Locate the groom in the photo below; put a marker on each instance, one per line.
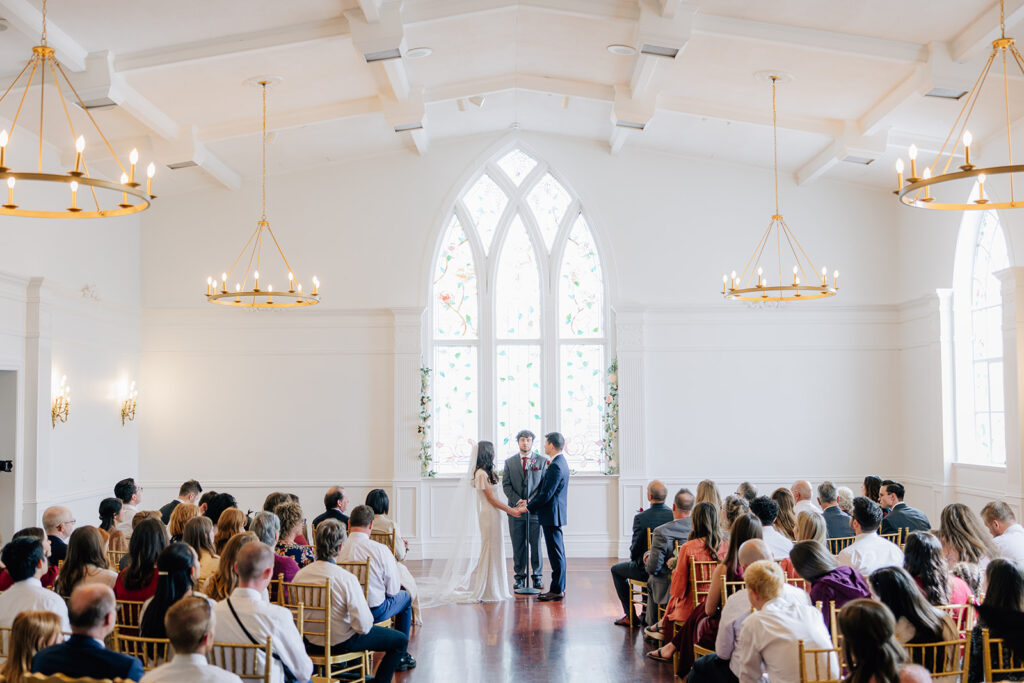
(549, 503)
(523, 473)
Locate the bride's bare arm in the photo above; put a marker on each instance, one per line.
(493, 500)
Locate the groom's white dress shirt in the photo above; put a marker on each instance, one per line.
(384, 580)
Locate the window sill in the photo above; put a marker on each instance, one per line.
(978, 467)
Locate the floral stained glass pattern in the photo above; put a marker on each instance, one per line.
(455, 287)
(518, 391)
(582, 390)
(456, 404)
(517, 165)
(485, 202)
(549, 202)
(580, 286)
(517, 314)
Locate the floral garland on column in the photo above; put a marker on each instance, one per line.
(423, 429)
(610, 421)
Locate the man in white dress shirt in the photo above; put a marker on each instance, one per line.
(1006, 533)
(767, 510)
(189, 624)
(258, 618)
(130, 495)
(802, 495)
(25, 561)
(352, 628)
(870, 551)
(386, 597)
(768, 637)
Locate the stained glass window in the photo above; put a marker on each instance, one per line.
(519, 338)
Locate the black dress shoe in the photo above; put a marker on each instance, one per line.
(538, 584)
(406, 663)
(520, 583)
(550, 597)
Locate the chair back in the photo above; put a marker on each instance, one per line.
(247, 661)
(945, 659)
(730, 587)
(384, 538)
(5, 641)
(700, 578)
(310, 605)
(962, 616)
(61, 678)
(114, 558)
(362, 573)
(821, 665)
(129, 614)
(798, 582)
(152, 652)
(997, 659)
(894, 537)
(837, 545)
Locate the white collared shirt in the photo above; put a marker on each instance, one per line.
(870, 552)
(777, 543)
(128, 513)
(350, 615)
(30, 596)
(383, 581)
(768, 642)
(261, 620)
(1011, 543)
(737, 608)
(805, 506)
(189, 669)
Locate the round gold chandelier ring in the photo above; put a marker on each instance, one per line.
(922, 183)
(133, 190)
(247, 299)
(800, 293)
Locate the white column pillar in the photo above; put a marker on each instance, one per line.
(630, 333)
(407, 502)
(1012, 290)
(35, 470)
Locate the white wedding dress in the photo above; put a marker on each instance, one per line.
(489, 581)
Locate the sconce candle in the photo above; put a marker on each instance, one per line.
(62, 403)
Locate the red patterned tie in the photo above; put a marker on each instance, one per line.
(524, 464)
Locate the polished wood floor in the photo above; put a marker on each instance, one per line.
(525, 641)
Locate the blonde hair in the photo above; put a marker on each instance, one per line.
(707, 492)
(231, 522)
(766, 578)
(30, 633)
(224, 580)
(810, 526)
(180, 516)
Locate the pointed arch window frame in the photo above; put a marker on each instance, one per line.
(549, 264)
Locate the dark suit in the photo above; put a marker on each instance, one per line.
(651, 518)
(58, 550)
(550, 504)
(331, 514)
(837, 522)
(84, 656)
(659, 577)
(902, 516)
(167, 510)
(519, 485)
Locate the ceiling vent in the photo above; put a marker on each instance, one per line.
(383, 55)
(633, 125)
(854, 159)
(659, 51)
(99, 104)
(403, 127)
(946, 93)
(177, 166)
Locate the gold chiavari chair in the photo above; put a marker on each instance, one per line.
(700, 578)
(152, 652)
(244, 660)
(638, 591)
(798, 582)
(945, 659)
(819, 665)
(311, 603)
(997, 659)
(362, 573)
(730, 587)
(962, 616)
(895, 537)
(837, 545)
(129, 614)
(384, 538)
(5, 640)
(114, 558)
(699, 651)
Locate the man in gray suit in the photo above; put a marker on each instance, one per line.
(523, 473)
(663, 541)
(837, 522)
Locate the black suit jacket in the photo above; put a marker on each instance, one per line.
(551, 502)
(902, 516)
(331, 514)
(58, 550)
(837, 522)
(651, 518)
(166, 510)
(83, 656)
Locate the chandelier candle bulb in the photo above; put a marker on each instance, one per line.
(10, 194)
(150, 172)
(133, 158)
(74, 197)
(796, 280)
(981, 190)
(291, 282)
(316, 286)
(124, 195)
(725, 281)
(3, 148)
(224, 283)
(912, 153)
(899, 176)
(256, 287)
(835, 280)
(209, 286)
(968, 139)
(927, 188)
(79, 148)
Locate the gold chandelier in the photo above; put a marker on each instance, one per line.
(753, 283)
(132, 198)
(917, 191)
(253, 296)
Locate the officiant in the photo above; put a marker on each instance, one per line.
(523, 473)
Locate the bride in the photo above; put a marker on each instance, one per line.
(474, 570)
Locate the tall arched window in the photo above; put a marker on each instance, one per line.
(979, 340)
(520, 322)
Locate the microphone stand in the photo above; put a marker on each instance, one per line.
(528, 589)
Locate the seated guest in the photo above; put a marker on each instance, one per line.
(137, 581)
(199, 535)
(663, 541)
(352, 628)
(217, 504)
(189, 625)
(646, 520)
(93, 613)
(924, 561)
(837, 522)
(384, 586)
(870, 551)
(274, 499)
(116, 541)
(223, 581)
(379, 502)
(1005, 581)
(25, 563)
(231, 522)
(964, 536)
(1007, 535)
(733, 508)
(870, 649)
(715, 667)
(707, 492)
(916, 620)
(335, 505)
(300, 538)
(178, 572)
(767, 510)
(30, 633)
(785, 520)
(703, 545)
(747, 491)
(810, 526)
(245, 617)
(267, 528)
(50, 577)
(204, 501)
(290, 515)
(179, 518)
(844, 499)
(187, 493)
(58, 523)
(901, 515)
(110, 514)
(829, 582)
(871, 488)
(768, 639)
(801, 491)
(86, 562)
(130, 496)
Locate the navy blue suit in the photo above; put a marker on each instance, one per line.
(550, 503)
(84, 656)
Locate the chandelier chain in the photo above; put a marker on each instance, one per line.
(1002, 19)
(263, 184)
(43, 39)
(775, 144)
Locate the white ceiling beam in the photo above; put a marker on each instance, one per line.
(277, 121)
(819, 164)
(28, 21)
(901, 140)
(727, 112)
(851, 143)
(427, 11)
(617, 139)
(657, 32)
(976, 38)
(512, 81)
(371, 10)
(420, 140)
(214, 165)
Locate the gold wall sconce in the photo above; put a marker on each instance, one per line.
(62, 403)
(128, 405)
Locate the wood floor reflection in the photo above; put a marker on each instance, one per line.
(527, 641)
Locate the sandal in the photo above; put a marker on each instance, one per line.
(657, 656)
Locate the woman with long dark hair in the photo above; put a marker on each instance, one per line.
(829, 582)
(916, 620)
(870, 648)
(137, 581)
(1005, 580)
(110, 513)
(924, 561)
(179, 568)
(871, 488)
(86, 562)
(786, 519)
(744, 528)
